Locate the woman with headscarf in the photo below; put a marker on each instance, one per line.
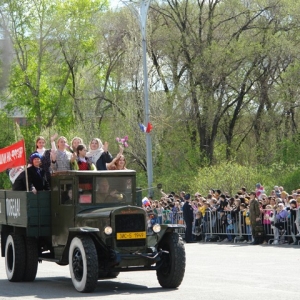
(99, 154)
(95, 150)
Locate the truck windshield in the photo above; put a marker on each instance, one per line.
(113, 190)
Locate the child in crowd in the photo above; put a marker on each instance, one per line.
(229, 228)
(267, 217)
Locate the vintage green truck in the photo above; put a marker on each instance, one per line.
(89, 221)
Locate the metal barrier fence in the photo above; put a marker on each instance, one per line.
(167, 217)
(235, 226)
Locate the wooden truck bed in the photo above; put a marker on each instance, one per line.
(24, 209)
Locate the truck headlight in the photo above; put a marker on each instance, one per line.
(108, 230)
(156, 228)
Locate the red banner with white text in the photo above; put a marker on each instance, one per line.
(12, 156)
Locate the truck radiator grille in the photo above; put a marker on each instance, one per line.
(130, 223)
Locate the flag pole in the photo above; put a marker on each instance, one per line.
(141, 15)
(26, 174)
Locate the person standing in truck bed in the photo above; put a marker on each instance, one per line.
(37, 180)
(83, 163)
(61, 159)
(17, 178)
(45, 154)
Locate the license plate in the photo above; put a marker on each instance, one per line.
(131, 235)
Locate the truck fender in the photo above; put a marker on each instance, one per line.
(74, 231)
(165, 229)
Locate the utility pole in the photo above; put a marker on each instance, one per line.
(141, 14)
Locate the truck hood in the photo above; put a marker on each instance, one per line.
(106, 212)
(101, 217)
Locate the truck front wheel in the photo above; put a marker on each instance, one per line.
(15, 254)
(83, 264)
(171, 272)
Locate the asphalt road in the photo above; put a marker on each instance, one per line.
(213, 272)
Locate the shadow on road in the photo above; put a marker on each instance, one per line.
(61, 287)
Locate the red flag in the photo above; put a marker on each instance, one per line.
(12, 156)
(149, 127)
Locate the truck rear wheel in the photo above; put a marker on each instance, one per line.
(171, 272)
(83, 264)
(15, 254)
(31, 259)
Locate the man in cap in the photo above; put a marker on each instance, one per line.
(188, 217)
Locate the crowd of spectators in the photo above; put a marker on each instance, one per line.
(228, 217)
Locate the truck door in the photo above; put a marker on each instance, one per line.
(63, 211)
